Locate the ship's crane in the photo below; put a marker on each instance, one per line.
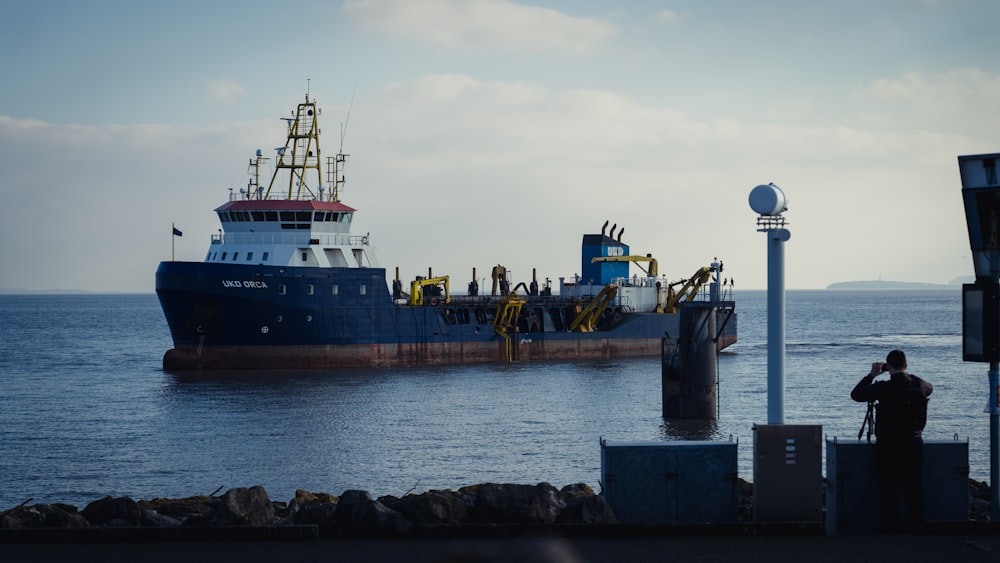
(688, 290)
(417, 290)
(586, 319)
(652, 271)
(505, 321)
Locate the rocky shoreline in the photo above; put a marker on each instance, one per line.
(356, 514)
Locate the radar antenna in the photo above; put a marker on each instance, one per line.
(335, 164)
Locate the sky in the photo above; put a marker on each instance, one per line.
(488, 132)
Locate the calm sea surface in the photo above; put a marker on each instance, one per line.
(86, 410)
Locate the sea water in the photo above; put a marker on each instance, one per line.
(87, 411)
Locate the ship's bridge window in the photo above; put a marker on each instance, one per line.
(296, 220)
(270, 215)
(258, 216)
(224, 216)
(319, 216)
(345, 217)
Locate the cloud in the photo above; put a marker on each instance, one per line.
(941, 100)
(225, 90)
(494, 24)
(667, 16)
(105, 225)
(953, 88)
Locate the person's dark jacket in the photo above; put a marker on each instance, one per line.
(901, 411)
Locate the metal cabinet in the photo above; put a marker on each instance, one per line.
(788, 473)
(676, 482)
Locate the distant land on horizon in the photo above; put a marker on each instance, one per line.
(887, 285)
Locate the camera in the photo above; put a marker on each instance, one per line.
(885, 368)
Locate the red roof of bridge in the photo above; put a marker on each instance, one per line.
(283, 205)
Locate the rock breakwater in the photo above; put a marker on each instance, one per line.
(353, 513)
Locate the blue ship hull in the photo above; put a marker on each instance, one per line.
(231, 316)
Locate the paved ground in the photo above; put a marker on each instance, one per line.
(965, 547)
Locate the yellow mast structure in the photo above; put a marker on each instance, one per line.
(300, 155)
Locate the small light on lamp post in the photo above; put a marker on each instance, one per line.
(768, 200)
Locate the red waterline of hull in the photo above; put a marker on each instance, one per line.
(185, 358)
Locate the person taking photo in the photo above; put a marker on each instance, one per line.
(900, 417)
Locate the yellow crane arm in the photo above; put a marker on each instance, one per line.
(505, 321)
(688, 291)
(417, 289)
(652, 271)
(588, 316)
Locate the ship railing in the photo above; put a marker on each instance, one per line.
(625, 303)
(273, 196)
(488, 300)
(638, 281)
(704, 294)
(295, 239)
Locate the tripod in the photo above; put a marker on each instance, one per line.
(868, 422)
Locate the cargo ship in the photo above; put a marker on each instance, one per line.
(286, 284)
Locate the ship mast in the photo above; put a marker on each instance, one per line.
(254, 190)
(300, 155)
(335, 177)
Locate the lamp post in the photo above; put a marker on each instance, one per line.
(769, 202)
(980, 300)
